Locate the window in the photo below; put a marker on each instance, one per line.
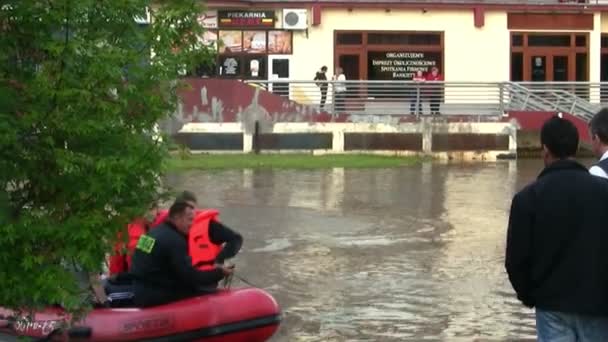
(254, 41)
(244, 53)
(279, 42)
(581, 41)
(389, 65)
(404, 39)
(517, 67)
(517, 40)
(548, 40)
(231, 41)
(255, 67)
(229, 66)
(350, 38)
(581, 67)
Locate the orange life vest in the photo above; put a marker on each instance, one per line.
(202, 251)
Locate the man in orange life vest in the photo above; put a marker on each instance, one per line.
(161, 267)
(210, 242)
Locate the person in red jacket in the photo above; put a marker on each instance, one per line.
(436, 91)
(210, 242)
(120, 261)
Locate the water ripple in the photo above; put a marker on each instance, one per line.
(410, 254)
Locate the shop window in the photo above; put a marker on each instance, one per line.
(350, 38)
(205, 70)
(254, 41)
(517, 67)
(280, 42)
(244, 54)
(230, 66)
(605, 41)
(549, 40)
(581, 41)
(517, 40)
(231, 41)
(404, 38)
(255, 67)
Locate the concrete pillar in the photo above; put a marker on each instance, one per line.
(595, 56)
(247, 142)
(513, 139)
(337, 144)
(427, 135)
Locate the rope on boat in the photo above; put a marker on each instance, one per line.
(227, 282)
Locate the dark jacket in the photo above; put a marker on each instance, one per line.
(220, 234)
(163, 270)
(320, 76)
(557, 241)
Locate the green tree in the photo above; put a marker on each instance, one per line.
(82, 86)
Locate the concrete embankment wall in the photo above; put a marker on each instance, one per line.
(445, 140)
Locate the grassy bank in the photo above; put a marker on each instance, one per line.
(285, 161)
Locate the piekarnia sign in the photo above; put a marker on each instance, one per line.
(246, 18)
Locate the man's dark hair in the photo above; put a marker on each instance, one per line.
(560, 136)
(186, 196)
(178, 208)
(324, 68)
(599, 125)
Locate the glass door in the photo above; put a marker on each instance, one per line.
(351, 64)
(549, 67)
(538, 69)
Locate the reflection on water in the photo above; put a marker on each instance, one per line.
(377, 255)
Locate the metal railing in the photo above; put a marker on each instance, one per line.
(440, 98)
(392, 97)
(579, 98)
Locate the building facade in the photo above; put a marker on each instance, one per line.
(391, 40)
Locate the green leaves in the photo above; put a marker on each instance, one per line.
(82, 86)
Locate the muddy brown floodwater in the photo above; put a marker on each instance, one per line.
(403, 254)
(413, 253)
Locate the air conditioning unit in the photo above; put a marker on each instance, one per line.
(295, 19)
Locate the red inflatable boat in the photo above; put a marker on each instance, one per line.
(246, 315)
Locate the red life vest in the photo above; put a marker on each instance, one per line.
(161, 216)
(202, 251)
(200, 248)
(120, 261)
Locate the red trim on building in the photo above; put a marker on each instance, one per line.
(479, 17)
(556, 7)
(316, 15)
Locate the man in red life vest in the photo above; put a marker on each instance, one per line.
(210, 242)
(120, 261)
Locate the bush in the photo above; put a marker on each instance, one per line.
(82, 85)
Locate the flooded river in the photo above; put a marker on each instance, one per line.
(413, 253)
(403, 254)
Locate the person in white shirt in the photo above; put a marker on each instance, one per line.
(340, 90)
(598, 129)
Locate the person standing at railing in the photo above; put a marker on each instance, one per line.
(339, 90)
(416, 96)
(321, 76)
(598, 128)
(436, 91)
